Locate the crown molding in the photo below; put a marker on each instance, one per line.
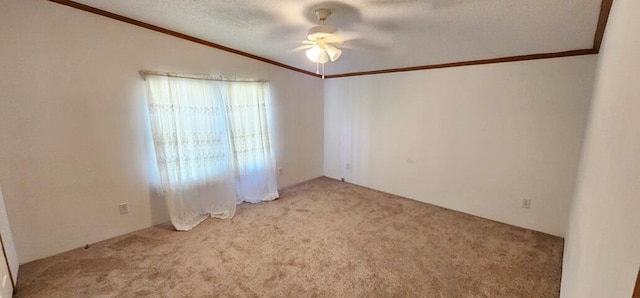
(134, 22)
(605, 9)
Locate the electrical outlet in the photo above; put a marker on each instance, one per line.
(280, 171)
(526, 203)
(124, 208)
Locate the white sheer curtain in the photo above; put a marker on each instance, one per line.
(212, 146)
(254, 163)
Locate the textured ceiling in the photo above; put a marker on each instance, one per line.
(382, 34)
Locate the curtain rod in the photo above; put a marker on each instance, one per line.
(144, 73)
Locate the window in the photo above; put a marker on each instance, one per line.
(212, 141)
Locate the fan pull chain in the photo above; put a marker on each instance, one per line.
(317, 67)
(323, 71)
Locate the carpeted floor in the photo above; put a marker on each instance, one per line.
(323, 238)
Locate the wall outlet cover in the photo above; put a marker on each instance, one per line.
(124, 208)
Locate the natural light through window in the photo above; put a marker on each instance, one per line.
(211, 139)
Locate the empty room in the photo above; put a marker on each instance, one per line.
(367, 148)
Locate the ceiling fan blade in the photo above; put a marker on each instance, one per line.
(335, 39)
(367, 38)
(301, 48)
(349, 35)
(368, 44)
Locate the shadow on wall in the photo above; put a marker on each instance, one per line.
(157, 206)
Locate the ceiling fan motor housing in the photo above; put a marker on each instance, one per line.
(322, 14)
(322, 31)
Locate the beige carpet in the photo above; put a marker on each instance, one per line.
(323, 238)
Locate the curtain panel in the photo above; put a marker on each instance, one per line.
(212, 145)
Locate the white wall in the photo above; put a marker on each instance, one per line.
(8, 245)
(73, 132)
(6, 287)
(602, 249)
(476, 139)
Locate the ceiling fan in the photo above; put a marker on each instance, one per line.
(322, 42)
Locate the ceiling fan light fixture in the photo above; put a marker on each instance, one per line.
(314, 53)
(333, 52)
(319, 54)
(323, 57)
